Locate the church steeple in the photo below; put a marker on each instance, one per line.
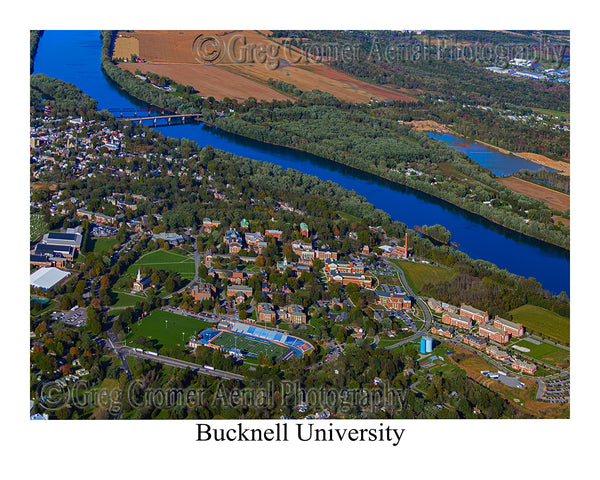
(139, 276)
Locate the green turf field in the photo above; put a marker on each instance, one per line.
(175, 332)
(253, 346)
(546, 353)
(166, 260)
(543, 321)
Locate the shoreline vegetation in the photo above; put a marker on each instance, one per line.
(492, 288)
(554, 235)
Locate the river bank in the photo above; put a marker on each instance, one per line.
(478, 238)
(438, 128)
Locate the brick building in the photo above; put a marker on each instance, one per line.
(493, 333)
(443, 331)
(478, 316)
(496, 352)
(514, 329)
(524, 366)
(394, 301)
(455, 320)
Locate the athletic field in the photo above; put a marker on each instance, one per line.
(250, 346)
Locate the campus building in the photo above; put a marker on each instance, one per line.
(266, 312)
(443, 331)
(203, 291)
(459, 321)
(493, 333)
(140, 283)
(474, 341)
(514, 329)
(523, 366)
(394, 301)
(478, 316)
(295, 314)
(346, 278)
(496, 352)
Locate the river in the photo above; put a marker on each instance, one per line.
(74, 56)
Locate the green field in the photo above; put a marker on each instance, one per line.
(250, 345)
(166, 260)
(543, 321)
(104, 244)
(127, 300)
(37, 227)
(418, 274)
(546, 353)
(174, 333)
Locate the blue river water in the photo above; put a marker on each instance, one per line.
(74, 56)
(499, 163)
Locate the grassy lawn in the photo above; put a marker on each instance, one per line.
(37, 227)
(546, 353)
(127, 300)
(175, 332)
(166, 260)
(103, 244)
(544, 321)
(418, 274)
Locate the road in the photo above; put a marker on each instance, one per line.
(123, 352)
(174, 362)
(419, 301)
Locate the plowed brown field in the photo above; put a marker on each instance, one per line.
(556, 200)
(171, 53)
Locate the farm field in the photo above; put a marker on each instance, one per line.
(555, 200)
(546, 353)
(175, 332)
(251, 345)
(165, 260)
(171, 54)
(543, 321)
(418, 274)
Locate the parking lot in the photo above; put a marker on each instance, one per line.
(76, 317)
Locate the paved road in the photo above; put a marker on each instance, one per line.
(174, 362)
(420, 302)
